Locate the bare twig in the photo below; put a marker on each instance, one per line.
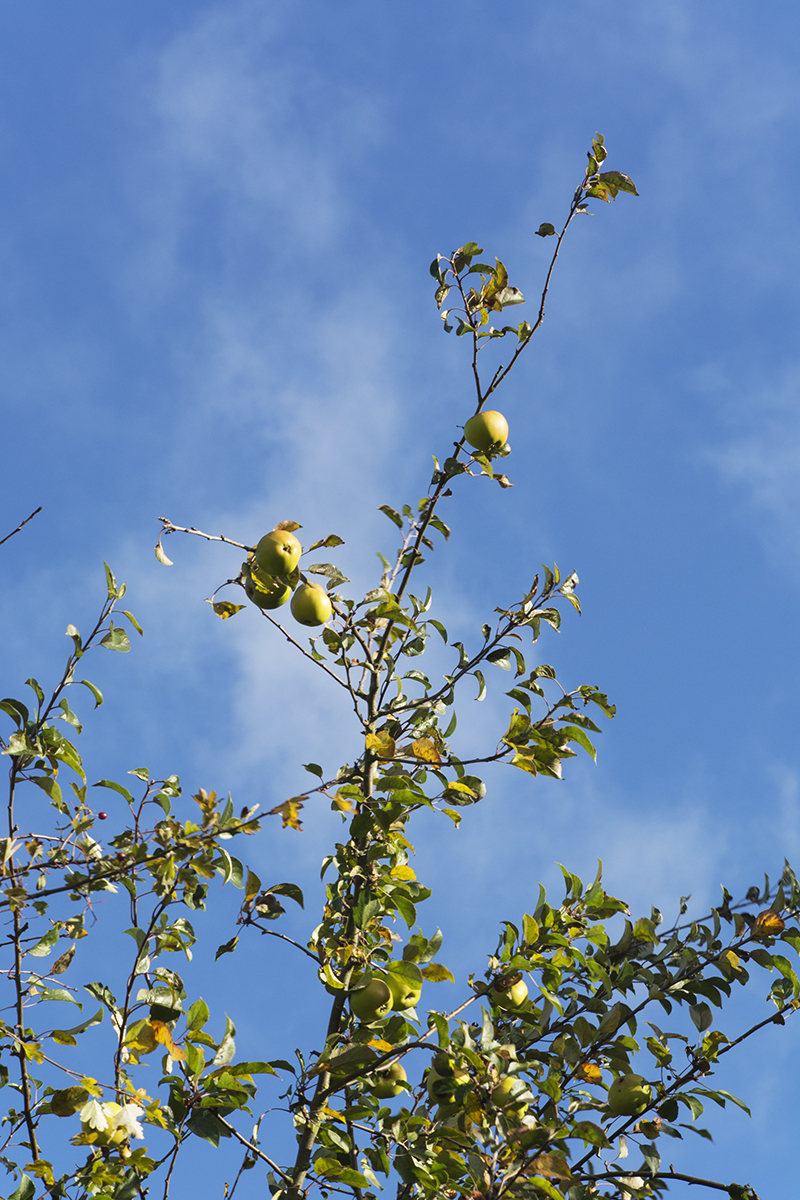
(170, 527)
(253, 1149)
(22, 526)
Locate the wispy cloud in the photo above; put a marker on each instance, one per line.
(760, 455)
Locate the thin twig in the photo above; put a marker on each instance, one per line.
(709, 1183)
(284, 938)
(169, 527)
(22, 526)
(253, 1149)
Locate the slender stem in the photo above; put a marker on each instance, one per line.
(169, 527)
(274, 933)
(254, 1149)
(342, 682)
(708, 1183)
(19, 991)
(27, 1104)
(21, 526)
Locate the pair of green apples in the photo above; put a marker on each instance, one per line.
(397, 991)
(277, 555)
(445, 1077)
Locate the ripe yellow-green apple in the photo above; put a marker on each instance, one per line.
(442, 1068)
(372, 1002)
(514, 997)
(389, 1079)
(486, 429)
(278, 553)
(405, 985)
(113, 1136)
(502, 1097)
(629, 1095)
(311, 605)
(265, 591)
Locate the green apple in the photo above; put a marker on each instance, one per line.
(372, 1002)
(389, 1079)
(263, 590)
(405, 982)
(486, 429)
(278, 553)
(512, 998)
(311, 605)
(629, 1095)
(441, 1068)
(112, 1136)
(503, 1098)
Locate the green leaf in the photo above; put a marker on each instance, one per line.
(133, 621)
(543, 1185)
(227, 948)
(391, 514)
(58, 994)
(67, 1101)
(77, 1030)
(440, 629)
(481, 683)
(328, 542)
(735, 1099)
(197, 1015)
(116, 639)
(701, 1016)
(25, 1191)
(98, 695)
(545, 230)
(45, 944)
(618, 182)
(287, 889)
(576, 734)
(328, 569)
(111, 582)
(252, 1068)
(227, 1047)
(115, 787)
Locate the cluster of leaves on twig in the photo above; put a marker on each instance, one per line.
(514, 1093)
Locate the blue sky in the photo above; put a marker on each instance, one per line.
(215, 229)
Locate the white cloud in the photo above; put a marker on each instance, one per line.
(762, 456)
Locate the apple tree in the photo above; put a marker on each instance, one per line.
(575, 1054)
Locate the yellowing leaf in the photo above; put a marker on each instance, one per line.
(225, 609)
(403, 872)
(455, 785)
(287, 526)
(161, 556)
(768, 924)
(425, 749)
(382, 744)
(380, 1044)
(342, 803)
(552, 1166)
(437, 973)
(289, 812)
(164, 1037)
(589, 1073)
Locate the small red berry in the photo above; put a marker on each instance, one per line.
(122, 856)
(102, 816)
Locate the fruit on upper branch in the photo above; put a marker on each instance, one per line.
(486, 429)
